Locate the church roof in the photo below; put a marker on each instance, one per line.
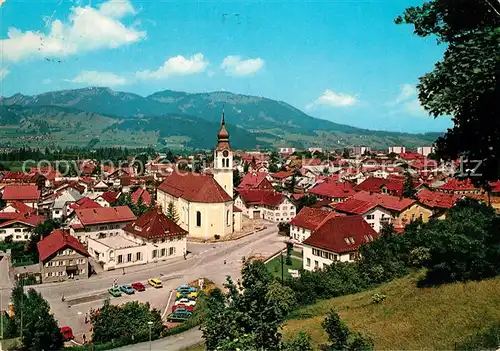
(194, 187)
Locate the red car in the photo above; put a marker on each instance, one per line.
(186, 307)
(67, 333)
(138, 286)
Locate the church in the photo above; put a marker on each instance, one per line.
(204, 203)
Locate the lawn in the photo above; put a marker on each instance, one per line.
(410, 318)
(274, 266)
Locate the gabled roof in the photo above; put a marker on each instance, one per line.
(262, 197)
(20, 207)
(458, 185)
(194, 187)
(109, 196)
(395, 186)
(142, 194)
(89, 216)
(282, 175)
(495, 186)
(85, 202)
(437, 199)
(253, 180)
(355, 206)
(20, 192)
(333, 189)
(342, 234)
(389, 202)
(310, 218)
(154, 224)
(56, 241)
(28, 219)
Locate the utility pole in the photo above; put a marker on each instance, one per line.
(281, 259)
(150, 324)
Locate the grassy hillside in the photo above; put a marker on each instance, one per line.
(410, 318)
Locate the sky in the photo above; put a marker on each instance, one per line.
(344, 61)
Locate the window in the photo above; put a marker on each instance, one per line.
(163, 252)
(198, 218)
(228, 217)
(308, 262)
(372, 225)
(325, 265)
(129, 257)
(155, 253)
(82, 271)
(120, 259)
(372, 216)
(138, 256)
(316, 264)
(353, 256)
(171, 251)
(17, 230)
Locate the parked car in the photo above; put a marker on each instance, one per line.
(155, 283)
(114, 291)
(186, 307)
(193, 294)
(138, 286)
(185, 288)
(181, 313)
(127, 289)
(67, 333)
(185, 301)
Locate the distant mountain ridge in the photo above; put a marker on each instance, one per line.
(258, 120)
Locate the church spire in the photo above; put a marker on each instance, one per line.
(223, 135)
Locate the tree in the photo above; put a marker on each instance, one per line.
(302, 342)
(408, 187)
(306, 201)
(466, 82)
(273, 168)
(236, 178)
(341, 337)
(38, 327)
(289, 249)
(172, 212)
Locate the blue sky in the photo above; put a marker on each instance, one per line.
(345, 61)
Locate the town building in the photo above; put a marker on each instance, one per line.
(376, 216)
(459, 187)
(286, 150)
(397, 149)
(99, 222)
(360, 150)
(337, 240)
(265, 204)
(333, 191)
(439, 202)
(20, 228)
(306, 221)
(15, 209)
(425, 150)
(150, 238)
(27, 194)
(382, 185)
(255, 180)
(62, 257)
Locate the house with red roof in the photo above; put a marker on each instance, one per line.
(255, 180)
(99, 222)
(307, 220)
(152, 237)
(34, 178)
(336, 240)
(403, 210)
(141, 195)
(84, 202)
(333, 191)
(62, 257)
(459, 187)
(25, 193)
(265, 204)
(21, 227)
(107, 199)
(439, 202)
(376, 216)
(14, 210)
(390, 186)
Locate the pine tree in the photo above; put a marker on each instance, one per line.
(172, 212)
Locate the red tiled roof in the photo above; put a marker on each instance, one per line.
(20, 176)
(154, 224)
(20, 207)
(85, 202)
(336, 233)
(322, 203)
(458, 185)
(389, 202)
(109, 196)
(89, 216)
(20, 192)
(495, 186)
(236, 209)
(297, 196)
(333, 189)
(424, 164)
(355, 206)
(437, 199)
(310, 218)
(411, 156)
(29, 219)
(194, 187)
(282, 175)
(262, 197)
(395, 186)
(142, 194)
(56, 241)
(252, 180)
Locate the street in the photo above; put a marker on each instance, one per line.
(204, 260)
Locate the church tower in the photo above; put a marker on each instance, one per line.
(223, 160)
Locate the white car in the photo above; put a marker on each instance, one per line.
(186, 302)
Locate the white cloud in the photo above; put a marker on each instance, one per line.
(4, 72)
(103, 79)
(234, 65)
(176, 66)
(407, 102)
(330, 98)
(86, 29)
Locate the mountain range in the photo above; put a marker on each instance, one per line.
(104, 117)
